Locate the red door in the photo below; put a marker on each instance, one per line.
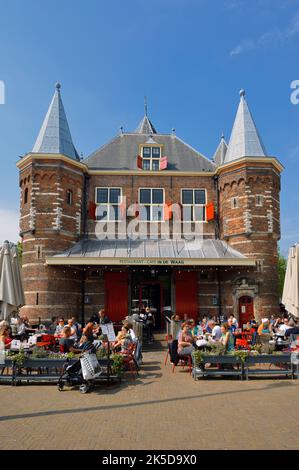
(245, 310)
(116, 295)
(186, 293)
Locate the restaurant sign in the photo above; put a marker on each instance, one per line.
(153, 261)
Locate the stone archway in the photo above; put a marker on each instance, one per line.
(243, 287)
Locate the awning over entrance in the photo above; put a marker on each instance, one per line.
(151, 252)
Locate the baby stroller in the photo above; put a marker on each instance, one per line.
(83, 372)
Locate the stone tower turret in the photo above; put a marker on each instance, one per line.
(51, 186)
(249, 186)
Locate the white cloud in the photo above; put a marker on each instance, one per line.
(267, 39)
(9, 225)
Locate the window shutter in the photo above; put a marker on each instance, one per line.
(92, 210)
(123, 210)
(163, 163)
(137, 211)
(139, 162)
(167, 211)
(210, 211)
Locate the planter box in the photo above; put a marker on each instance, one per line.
(270, 359)
(221, 360)
(49, 370)
(6, 371)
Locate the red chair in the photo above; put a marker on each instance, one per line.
(182, 362)
(130, 361)
(242, 344)
(47, 342)
(168, 339)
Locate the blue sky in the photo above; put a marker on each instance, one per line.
(190, 57)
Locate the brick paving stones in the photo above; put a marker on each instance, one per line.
(161, 410)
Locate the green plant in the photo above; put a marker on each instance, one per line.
(71, 355)
(282, 267)
(241, 354)
(198, 357)
(117, 364)
(18, 358)
(217, 350)
(38, 353)
(102, 353)
(257, 348)
(103, 338)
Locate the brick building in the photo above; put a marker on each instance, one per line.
(117, 229)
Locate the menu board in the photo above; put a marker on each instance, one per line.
(108, 330)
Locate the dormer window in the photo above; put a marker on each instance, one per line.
(150, 157)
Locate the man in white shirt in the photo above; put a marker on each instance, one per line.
(284, 327)
(216, 331)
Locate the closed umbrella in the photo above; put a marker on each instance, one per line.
(290, 296)
(11, 290)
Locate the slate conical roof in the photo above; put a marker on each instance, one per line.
(245, 140)
(220, 153)
(145, 126)
(55, 136)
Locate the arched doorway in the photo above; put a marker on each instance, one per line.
(246, 311)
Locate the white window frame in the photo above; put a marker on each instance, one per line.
(194, 205)
(108, 204)
(150, 158)
(152, 205)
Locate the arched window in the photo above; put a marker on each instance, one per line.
(69, 197)
(26, 196)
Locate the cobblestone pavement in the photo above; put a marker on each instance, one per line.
(160, 410)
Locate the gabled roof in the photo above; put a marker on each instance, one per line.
(55, 136)
(245, 140)
(145, 126)
(220, 153)
(121, 154)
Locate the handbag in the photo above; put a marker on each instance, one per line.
(90, 366)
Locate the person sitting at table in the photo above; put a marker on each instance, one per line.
(204, 323)
(59, 327)
(284, 326)
(53, 325)
(26, 321)
(103, 318)
(127, 324)
(265, 329)
(123, 340)
(77, 327)
(4, 335)
(209, 327)
(185, 341)
(21, 329)
(231, 326)
(227, 339)
(193, 328)
(234, 320)
(293, 330)
(176, 317)
(66, 343)
(88, 337)
(216, 332)
(70, 323)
